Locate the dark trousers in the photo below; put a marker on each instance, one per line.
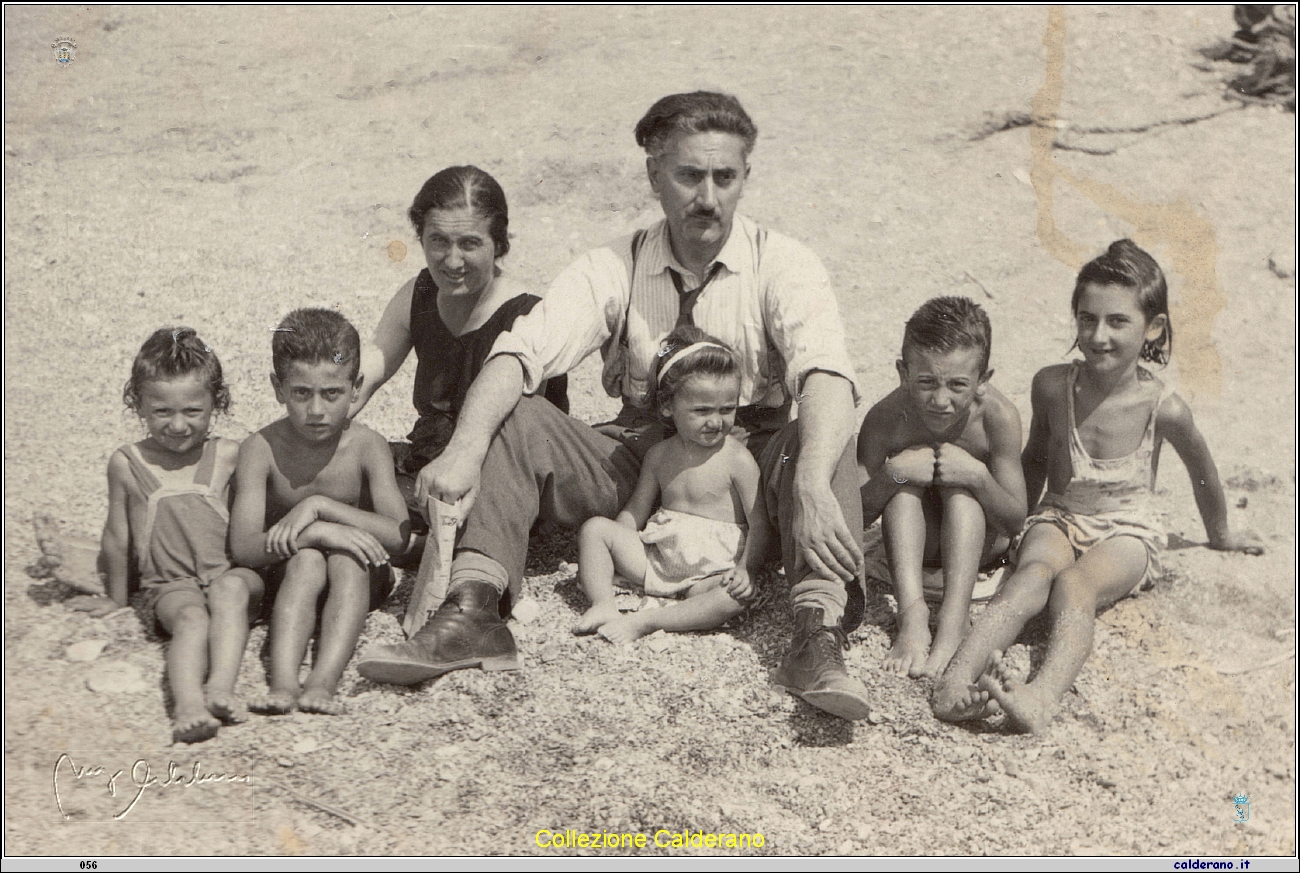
(545, 464)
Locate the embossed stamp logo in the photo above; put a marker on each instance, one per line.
(65, 50)
(1241, 808)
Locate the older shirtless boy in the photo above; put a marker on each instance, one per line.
(943, 455)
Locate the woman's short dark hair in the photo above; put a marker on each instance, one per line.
(459, 187)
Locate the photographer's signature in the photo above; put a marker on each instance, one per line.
(140, 779)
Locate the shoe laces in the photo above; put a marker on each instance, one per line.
(830, 641)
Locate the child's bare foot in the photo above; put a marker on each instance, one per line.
(599, 614)
(275, 702)
(909, 652)
(227, 706)
(625, 629)
(944, 647)
(194, 726)
(320, 701)
(1022, 703)
(949, 702)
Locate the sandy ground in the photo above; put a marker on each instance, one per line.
(217, 167)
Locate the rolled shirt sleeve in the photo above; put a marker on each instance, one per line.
(582, 309)
(802, 315)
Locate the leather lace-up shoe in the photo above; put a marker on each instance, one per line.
(466, 631)
(814, 668)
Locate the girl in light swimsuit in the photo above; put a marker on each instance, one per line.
(1094, 440)
(709, 535)
(168, 515)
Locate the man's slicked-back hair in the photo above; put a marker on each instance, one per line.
(943, 324)
(314, 336)
(696, 112)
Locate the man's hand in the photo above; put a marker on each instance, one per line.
(282, 538)
(737, 583)
(358, 543)
(451, 479)
(957, 468)
(823, 542)
(914, 466)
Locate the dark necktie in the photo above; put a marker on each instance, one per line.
(686, 299)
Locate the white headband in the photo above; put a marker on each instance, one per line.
(678, 355)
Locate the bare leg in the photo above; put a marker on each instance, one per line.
(701, 611)
(292, 622)
(346, 606)
(233, 599)
(1044, 553)
(962, 537)
(185, 616)
(905, 528)
(606, 547)
(1101, 576)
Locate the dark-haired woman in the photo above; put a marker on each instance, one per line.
(451, 313)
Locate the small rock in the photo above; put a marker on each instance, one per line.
(568, 569)
(603, 763)
(846, 847)
(1011, 769)
(825, 824)
(658, 642)
(86, 650)
(811, 781)
(284, 762)
(305, 745)
(116, 677)
(877, 717)
(526, 611)
(447, 751)
(549, 653)
(864, 833)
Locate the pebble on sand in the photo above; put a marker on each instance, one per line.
(115, 677)
(526, 611)
(86, 650)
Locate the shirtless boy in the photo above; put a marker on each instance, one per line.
(301, 484)
(943, 455)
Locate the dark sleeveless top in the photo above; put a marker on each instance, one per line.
(448, 365)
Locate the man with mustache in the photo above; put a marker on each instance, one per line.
(515, 458)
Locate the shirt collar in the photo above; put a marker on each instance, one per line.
(733, 254)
